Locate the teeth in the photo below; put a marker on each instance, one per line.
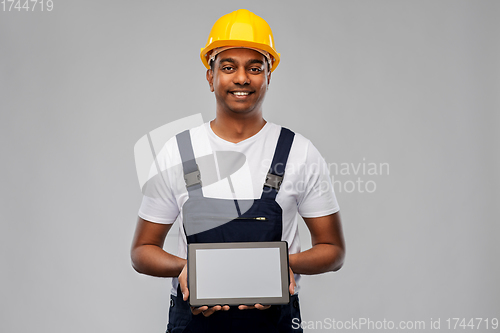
(240, 93)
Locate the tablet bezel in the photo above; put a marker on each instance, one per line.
(285, 275)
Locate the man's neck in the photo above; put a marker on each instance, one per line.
(237, 129)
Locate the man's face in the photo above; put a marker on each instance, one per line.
(239, 79)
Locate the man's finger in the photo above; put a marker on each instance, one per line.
(197, 311)
(245, 307)
(211, 310)
(256, 306)
(183, 283)
(262, 307)
(185, 292)
(291, 288)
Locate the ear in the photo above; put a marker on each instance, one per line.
(268, 79)
(210, 79)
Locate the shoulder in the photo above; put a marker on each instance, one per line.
(199, 131)
(298, 139)
(169, 152)
(302, 148)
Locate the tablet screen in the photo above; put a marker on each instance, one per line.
(238, 273)
(252, 273)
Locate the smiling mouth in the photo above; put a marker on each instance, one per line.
(240, 93)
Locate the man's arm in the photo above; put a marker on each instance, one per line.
(148, 256)
(328, 248)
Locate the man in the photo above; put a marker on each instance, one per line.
(282, 173)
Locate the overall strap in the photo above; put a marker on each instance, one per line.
(191, 171)
(276, 172)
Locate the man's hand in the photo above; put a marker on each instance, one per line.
(205, 310)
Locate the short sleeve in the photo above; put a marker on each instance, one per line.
(318, 198)
(158, 210)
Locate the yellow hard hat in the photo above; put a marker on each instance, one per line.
(241, 28)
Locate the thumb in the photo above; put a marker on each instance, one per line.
(183, 284)
(185, 291)
(292, 283)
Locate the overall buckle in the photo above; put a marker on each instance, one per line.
(273, 181)
(193, 178)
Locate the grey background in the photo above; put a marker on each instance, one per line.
(410, 83)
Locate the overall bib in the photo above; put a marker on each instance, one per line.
(261, 221)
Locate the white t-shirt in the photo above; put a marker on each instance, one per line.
(306, 189)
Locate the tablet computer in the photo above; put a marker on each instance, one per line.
(238, 273)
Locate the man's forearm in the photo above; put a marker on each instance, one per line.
(153, 260)
(320, 258)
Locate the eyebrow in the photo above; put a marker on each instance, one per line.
(227, 60)
(252, 61)
(255, 61)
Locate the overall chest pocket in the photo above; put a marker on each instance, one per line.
(240, 229)
(219, 221)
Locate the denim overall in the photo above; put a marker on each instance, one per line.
(260, 221)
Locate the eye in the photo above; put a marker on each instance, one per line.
(227, 68)
(255, 69)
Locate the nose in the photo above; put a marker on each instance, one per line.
(241, 77)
